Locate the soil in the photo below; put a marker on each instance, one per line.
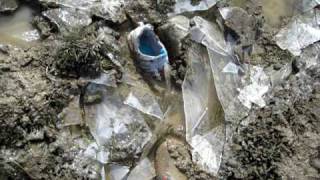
(280, 140)
(29, 106)
(283, 138)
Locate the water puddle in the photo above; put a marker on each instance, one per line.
(17, 30)
(274, 11)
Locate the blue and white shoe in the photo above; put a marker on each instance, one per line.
(150, 54)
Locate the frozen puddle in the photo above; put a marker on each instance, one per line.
(16, 29)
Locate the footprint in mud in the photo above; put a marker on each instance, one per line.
(165, 165)
(173, 161)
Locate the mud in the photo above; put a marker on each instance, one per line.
(280, 140)
(283, 137)
(29, 107)
(183, 161)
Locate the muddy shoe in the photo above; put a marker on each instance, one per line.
(149, 53)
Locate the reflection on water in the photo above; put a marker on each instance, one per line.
(16, 29)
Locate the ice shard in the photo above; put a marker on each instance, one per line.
(119, 130)
(301, 32)
(187, 6)
(68, 19)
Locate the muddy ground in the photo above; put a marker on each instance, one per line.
(279, 141)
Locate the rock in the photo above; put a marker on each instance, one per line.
(8, 5)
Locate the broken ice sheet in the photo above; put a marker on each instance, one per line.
(231, 68)
(307, 5)
(207, 150)
(254, 91)
(203, 112)
(222, 60)
(93, 152)
(173, 32)
(107, 78)
(110, 10)
(68, 19)
(144, 170)
(220, 55)
(118, 129)
(31, 35)
(300, 33)
(80, 4)
(279, 76)
(71, 115)
(107, 9)
(186, 6)
(240, 22)
(145, 102)
(311, 55)
(8, 5)
(117, 172)
(209, 35)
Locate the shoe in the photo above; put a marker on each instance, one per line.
(150, 54)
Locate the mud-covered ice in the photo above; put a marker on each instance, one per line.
(144, 170)
(311, 55)
(145, 102)
(208, 149)
(8, 5)
(240, 22)
(106, 78)
(203, 112)
(220, 55)
(172, 33)
(117, 172)
(68, 19)
(119, 130)
(302, 31)
(217, 88)
(230, 77)
(187, 6)
(209, 35)
(307, 5)
(107, 9)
